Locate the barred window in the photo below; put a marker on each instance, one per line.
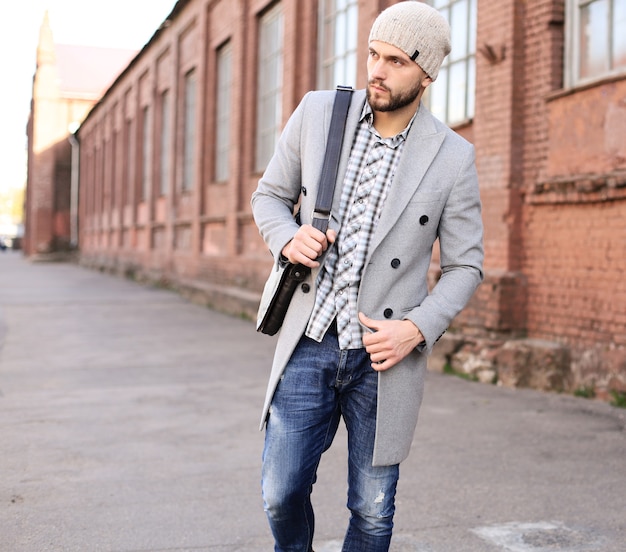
(146, 154)
(165, 141)
(270, 85)
(452, 96)
(596, 41)
(189, 130)
(129, 142)
(222, 111)
(338, 45)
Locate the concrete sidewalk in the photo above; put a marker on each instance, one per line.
(128, 422)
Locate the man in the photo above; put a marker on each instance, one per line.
(354, 341)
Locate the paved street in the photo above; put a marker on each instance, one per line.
(129, 423)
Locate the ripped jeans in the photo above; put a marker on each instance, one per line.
(320, 385)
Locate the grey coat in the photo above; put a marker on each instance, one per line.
(434, 194)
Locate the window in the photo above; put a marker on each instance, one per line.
(451, 97)
(107, 182)
(146, 151)
(270, 82)
(222, 108)
(596, 41)
(338, 46)
(99, 195)
(114, 142)
(189, 130)
(164, 146)
(127, 195)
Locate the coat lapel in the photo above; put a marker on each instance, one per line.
(423, 143)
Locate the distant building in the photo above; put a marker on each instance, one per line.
(68, 81)
(171, 154)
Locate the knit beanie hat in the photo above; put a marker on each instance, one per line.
(417, 29)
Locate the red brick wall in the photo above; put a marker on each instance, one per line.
(574, 211)
(551, 165)
(575, 221)
(494, 131)
(576, 261)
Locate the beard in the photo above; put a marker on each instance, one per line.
(396, 100)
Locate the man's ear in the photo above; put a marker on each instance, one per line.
(426, 82)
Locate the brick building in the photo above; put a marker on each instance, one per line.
(171, 154)
(68, 81)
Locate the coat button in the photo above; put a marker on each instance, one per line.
(423, 220)
(305, 288)
(388, 313)
(395, 263)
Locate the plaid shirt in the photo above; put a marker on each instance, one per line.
(369, 174)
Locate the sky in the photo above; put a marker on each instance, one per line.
(127, 24)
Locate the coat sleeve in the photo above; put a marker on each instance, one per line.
(460, 235)
(278, 190)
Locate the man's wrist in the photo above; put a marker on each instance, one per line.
(420, 340)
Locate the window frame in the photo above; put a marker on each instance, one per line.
(223, 115)
(129, 152)
(269, 97)
(439, 91)
(573, 49)
(165, 138)
(190, 99)
(146, 153)
(330, 17)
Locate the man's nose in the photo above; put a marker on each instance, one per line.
(377, 71)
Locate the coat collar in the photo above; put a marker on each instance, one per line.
(422, 144)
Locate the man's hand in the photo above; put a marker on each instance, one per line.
(308, 244)
(390, 341)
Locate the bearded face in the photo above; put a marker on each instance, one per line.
(393, 99)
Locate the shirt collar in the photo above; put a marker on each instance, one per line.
(367, 115)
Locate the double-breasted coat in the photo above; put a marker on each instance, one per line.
(433, 195)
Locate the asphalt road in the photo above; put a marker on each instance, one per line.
(129, 423)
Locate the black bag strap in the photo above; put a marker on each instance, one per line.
(326, 189)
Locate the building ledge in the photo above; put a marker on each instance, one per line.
(579, 189)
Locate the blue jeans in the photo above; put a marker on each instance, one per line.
(320, 385)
